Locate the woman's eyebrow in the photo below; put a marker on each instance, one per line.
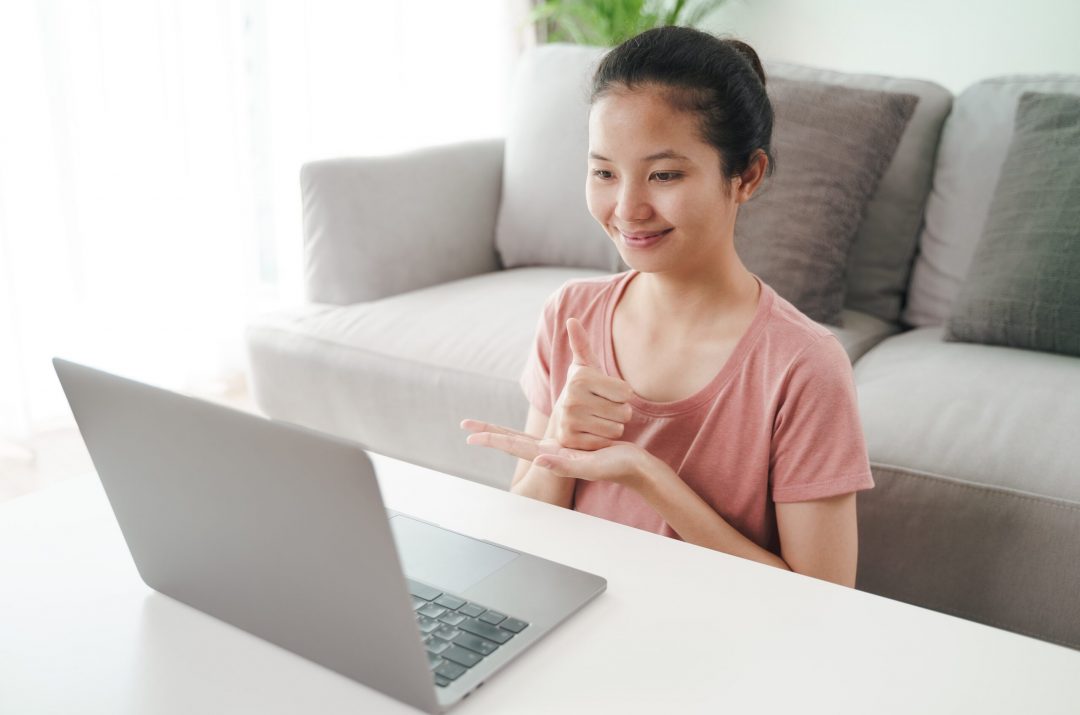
(666, 154)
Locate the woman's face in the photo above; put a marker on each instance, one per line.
(654, 185)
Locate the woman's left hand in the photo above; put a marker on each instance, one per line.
(622, 462)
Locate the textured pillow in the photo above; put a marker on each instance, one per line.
(1023, 287)
(974, 142)
(883, 251)
(832, 144)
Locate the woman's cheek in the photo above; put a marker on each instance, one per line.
(598, 203)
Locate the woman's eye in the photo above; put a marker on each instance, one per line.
(601, 173)
(666, 176)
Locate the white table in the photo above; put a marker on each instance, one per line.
(680, 629)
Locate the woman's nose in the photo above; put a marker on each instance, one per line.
(632, 204)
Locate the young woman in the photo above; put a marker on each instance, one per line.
(685, 396)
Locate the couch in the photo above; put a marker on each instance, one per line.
(412, 322)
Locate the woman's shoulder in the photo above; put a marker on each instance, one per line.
(796, 339)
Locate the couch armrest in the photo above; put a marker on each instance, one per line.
(375, 227)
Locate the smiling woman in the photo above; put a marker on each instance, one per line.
(685, 396)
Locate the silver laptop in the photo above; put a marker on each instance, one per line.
(281, 531)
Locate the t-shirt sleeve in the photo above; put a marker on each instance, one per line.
(536, 378)
(818, 448)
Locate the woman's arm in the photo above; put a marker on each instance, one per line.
(691, 516)
(818, 538)
(534, 481)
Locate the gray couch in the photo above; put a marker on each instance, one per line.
(413, 323)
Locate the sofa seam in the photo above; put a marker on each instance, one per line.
(962, 484)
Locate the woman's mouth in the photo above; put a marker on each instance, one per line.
(640, 239)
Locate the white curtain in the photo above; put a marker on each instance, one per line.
(149, 161)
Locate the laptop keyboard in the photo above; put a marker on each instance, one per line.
(457, 633)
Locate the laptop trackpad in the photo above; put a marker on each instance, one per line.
(442, 558)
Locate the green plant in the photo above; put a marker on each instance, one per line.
(609, 22)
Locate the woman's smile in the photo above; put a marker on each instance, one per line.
(643, 239)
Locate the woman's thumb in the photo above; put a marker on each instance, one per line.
(579, 344)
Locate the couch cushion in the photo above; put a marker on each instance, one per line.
(831, 145)
(982, 414)
(879, 263)
(1023, 287)
(973, 146)
(860, 332)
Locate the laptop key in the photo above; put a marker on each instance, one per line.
(427, 625)
(431, 610)
(452, 618)
(462, 656)
(433, 661)
(447, 633)
(435, 645)
(485, 630)
(451, 602)
(471, 609)
(476, 643)
(417, 603)
(450, 671)
(441, 681)
(514, 625)
(421, 591)
(492, 617)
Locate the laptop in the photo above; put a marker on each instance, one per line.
(281, 531)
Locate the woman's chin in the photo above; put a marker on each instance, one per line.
(640, 261)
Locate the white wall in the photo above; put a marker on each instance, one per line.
(952, 42)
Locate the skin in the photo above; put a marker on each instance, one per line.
(650, 171)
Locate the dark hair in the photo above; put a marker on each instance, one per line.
(721, 80)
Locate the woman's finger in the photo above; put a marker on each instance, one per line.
(478, 426)
(519, 445)
(611, 388)
(604, 428)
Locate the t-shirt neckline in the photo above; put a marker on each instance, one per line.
(710, 390)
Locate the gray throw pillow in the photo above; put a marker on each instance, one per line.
(831, 144)
(1023, 287)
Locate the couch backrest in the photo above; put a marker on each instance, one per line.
(973, 146)
(543, 218)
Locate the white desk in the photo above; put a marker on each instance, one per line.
(680, 629)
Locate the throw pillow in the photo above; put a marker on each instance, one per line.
(1023, 287)
(831, 144)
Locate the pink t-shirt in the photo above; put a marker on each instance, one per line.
(778, 423)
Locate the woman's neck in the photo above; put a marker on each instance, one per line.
(705, 297)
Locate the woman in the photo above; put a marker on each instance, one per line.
(685, 396)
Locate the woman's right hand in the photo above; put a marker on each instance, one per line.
(594, 407)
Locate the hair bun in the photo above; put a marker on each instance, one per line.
(748, 54)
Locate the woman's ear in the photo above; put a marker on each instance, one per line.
(749, 181)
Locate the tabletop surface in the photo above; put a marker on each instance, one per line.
(679, 629)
